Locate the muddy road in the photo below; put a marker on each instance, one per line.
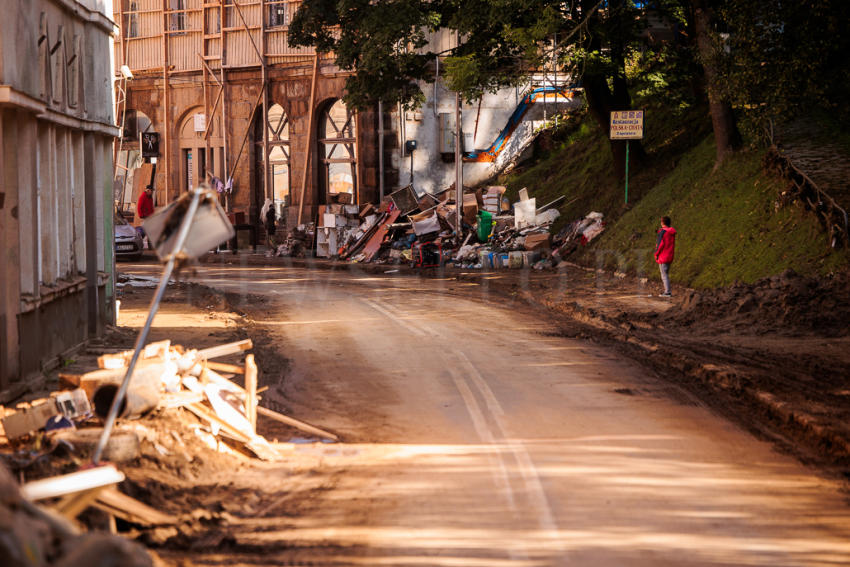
(477, 435)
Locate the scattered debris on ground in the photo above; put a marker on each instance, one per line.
(420, 231)
(182, 409)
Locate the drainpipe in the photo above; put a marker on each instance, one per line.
(381, 150)
(458, 159)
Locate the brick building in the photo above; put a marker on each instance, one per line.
(198, 71)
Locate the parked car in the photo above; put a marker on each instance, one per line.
(128, 240)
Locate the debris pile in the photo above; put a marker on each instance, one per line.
(406, 228)
(297, 243)
(221, 416)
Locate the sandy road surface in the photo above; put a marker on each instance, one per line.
(475, 438)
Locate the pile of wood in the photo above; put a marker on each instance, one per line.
(170, 376)
(165, 377)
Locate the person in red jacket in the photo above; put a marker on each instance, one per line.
(144, 209)
(665, 247)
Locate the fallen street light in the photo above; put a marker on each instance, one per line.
(182, 231)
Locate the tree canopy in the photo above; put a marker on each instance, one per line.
(750, 59)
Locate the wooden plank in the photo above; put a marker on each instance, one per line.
(118, 504)
(224, 350)
(121, 359)
(222, 367)
(306, 427)
(377, 239)
(205, 413)
(356, 246)
(251, 391)
(257, 445)
(73, 505)
(170, 400)
(71, 483)
(309, 138)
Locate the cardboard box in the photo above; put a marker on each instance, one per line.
(26, 421)
(538, 241)
(342, 198)
(425, 223)
(470, 208)
(366, 210)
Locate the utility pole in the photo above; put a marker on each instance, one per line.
(458, 158)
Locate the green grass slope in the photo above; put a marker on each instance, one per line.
(728, 222)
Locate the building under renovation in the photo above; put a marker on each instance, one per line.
(228, 102)
(56, 133)
(211, 91)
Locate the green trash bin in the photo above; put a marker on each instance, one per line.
(485, 225)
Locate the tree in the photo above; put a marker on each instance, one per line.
(786, 58)
(381, 43)
(378, 41)
(711, 51)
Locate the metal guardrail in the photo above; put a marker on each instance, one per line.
(833, 216)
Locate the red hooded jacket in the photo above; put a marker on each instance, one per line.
(665, 245)
(144, 208)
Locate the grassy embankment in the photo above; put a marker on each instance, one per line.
(729, 227)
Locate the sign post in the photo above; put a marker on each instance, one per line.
(626, 125)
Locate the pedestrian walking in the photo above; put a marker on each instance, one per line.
(665, 247)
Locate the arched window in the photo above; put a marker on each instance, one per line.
(338, 149)
(276, 128)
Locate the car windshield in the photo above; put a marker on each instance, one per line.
(119, 219)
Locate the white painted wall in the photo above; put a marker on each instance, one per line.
(482, 123)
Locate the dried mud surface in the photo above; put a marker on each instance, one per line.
(773, 356)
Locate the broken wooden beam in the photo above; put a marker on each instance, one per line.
(118, 504)
(251, 391)
(223, 367)
(224, 350)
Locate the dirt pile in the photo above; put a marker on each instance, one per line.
(30, 536)
(785, 304)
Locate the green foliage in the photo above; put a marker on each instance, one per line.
(784, 58)
(379, 42)
(728, 226)
(384, 42)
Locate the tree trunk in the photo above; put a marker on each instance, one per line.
(726, 136)
(601, 101)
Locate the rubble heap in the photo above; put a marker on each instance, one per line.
(406, 228)
(166, 379)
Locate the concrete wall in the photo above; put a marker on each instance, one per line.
(433, 168)
(56, 130)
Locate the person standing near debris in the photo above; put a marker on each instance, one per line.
(144, 209)
(269, 217)
(665, 247)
